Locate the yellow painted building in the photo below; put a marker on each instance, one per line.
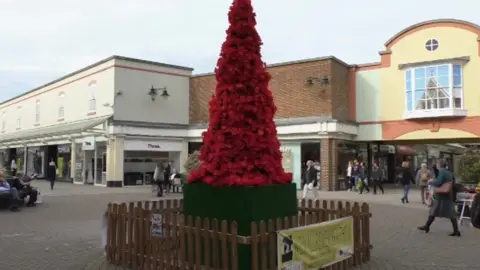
(425, 87)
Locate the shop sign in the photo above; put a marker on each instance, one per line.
(164, 146)
(89, 144)
(153, 146)
(64, 149)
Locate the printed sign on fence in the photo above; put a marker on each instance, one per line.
(157, 225)
(315, 246)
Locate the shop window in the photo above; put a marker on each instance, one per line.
(434, 91)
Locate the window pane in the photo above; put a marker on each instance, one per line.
(419, 94)
(443, 103)
(443, 81)
(419, 73)
(457, 103)
(457, 92)
(409, 106)
(431, 72)
(457, 80)
(443, 70)
(420, 83)
(420, 105)
(408, 80)
(457, 70)
(409, 98)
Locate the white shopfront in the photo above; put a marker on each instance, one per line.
(141, 157)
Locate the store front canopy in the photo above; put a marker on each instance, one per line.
(71, 129)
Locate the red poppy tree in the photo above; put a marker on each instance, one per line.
(241, 177)
(240, 147)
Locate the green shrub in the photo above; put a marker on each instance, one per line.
(469, 167)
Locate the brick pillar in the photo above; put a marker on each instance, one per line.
(328, 163)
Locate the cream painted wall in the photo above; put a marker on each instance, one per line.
(443, 133)
(77, 94)
(368, 85)
(369, 132)
(453, 42)
(136, 105)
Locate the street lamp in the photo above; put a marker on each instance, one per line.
(153, 92)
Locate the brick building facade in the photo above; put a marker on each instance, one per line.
(313, 90)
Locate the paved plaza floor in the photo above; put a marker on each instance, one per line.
(64, 232)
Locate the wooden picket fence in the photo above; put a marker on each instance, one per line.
(186, 243)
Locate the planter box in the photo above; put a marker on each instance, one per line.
(241, 204)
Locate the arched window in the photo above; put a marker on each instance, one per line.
(3, 121)
(61, 106)
(19, 117)
(92, 102)
(37, 112)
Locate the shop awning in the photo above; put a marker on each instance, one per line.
(70, 128)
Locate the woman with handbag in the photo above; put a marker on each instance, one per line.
(442, 205)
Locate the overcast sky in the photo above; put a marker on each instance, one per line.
(43, 40)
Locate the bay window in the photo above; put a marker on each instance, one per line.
(434, 91)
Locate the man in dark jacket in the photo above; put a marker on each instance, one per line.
(406, 179)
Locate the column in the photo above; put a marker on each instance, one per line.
(328, 163)
(115, 160)
(95, 164)
(73, 160)
(369, 161)
(183, 155)
(25, 159)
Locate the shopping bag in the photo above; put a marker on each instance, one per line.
(359, 184)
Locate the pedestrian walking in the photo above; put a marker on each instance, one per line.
(350, 179)
(406, 179)
(52, 173)
(363, 177)
(377, 177)
(423, 176)
(13, 168)
(158, 178)
(442, 205)
(311, 181)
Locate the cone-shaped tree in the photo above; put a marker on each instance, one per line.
(240, 147)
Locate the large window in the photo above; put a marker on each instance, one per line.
(432, 89)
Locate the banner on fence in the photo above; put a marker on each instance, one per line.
(315, 246)
(157, 225)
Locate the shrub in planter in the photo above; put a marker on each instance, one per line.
(469, 167)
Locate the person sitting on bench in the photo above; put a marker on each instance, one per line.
(22, 183)
(15, 196)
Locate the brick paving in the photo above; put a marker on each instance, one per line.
(64, 232)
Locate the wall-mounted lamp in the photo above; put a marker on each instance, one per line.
(153, 92)
(323, 81)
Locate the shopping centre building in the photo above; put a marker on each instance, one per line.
(108, 124)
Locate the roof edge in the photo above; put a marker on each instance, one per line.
(103, 61)
(430, 22)
(288, 63)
